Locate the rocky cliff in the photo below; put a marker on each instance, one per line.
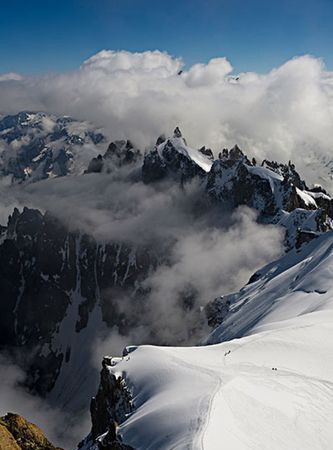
(111, 407)
(48, 274)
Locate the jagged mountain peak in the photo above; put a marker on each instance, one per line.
(207, 152)
(287, 171)
(172, 157)
(160, 139)
(177, 133)
(119, 153)
(235, 152)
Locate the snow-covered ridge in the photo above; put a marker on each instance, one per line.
(269, 387)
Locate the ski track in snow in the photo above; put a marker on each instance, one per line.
(203, 411)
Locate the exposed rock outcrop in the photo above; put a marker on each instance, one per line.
(119, 153)
(111, 406)
(171, 159)
(16, 433)
(40, 290)
(275, 190)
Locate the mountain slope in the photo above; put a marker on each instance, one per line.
(298, 284)
(271, 388)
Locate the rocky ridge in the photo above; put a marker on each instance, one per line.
(118, 154)
(111, 407)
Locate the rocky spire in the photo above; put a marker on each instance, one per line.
(177, 133)
(161, 139)
(207, 152)
(236, 153)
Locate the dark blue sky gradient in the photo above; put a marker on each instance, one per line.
(42, 36)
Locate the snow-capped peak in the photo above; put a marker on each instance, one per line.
(179, 144)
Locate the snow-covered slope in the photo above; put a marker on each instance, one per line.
(270, 388)
(299, 283)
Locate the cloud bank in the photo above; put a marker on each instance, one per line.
(284, 114)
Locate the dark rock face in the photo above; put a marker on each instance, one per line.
(287, 171)
(119, 153)
(122, 152)
(177, 133)
(111, 406)
(324, 202)
(217, 310)
(95, 165)
(305, 236)
(44, 269)
(231, 182)
(207, 152)
(112, 403)
(160, 139)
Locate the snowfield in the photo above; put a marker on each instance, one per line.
(268, 385)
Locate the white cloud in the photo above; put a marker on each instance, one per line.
(283, 114)
(10, 76)
(208, 74)
(112, 62)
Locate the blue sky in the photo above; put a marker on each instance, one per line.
(43, 36)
